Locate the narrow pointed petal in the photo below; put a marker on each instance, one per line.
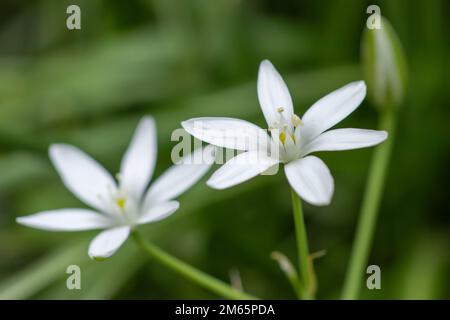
(227, 132)
(180, 177)
(66, 220)
(83, 176)
(159, 211)
(273, 94)
(106, 243)
(139, 160)
(346, 139)
(240, 168)
(311, 179)
(332, 108)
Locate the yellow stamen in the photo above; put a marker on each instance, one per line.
(121, 203)
(282, 137)
(280, 109)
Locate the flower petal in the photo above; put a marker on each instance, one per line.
(345, 139)
(180, 177)
(227, 132)
(139, 160)
(159, 211)
(311, 180)
(107, 242)
(66, 220)
(332, 109)
(240, 168)
(82, 175)
(273, 94)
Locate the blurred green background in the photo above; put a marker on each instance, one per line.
(181, 59)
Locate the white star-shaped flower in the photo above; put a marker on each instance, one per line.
(119, 207)
(293, 138)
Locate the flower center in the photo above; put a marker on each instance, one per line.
(124, 207)
(285, 133)
(286, 128)
(121, 202)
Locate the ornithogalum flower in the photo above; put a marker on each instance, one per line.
(293, 138)
(119, 206)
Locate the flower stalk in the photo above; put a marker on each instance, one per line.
(369, 210)
(304, 263)
(199, 277)
(385, 71)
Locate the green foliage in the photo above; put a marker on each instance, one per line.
(181, 59)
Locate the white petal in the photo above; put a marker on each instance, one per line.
(227, 132)
(139, 161)
(345, 139)
(332, 108)
(273, 94)
(66, 220)
(107, 242)
(311, 180)
(180, 177)
(82, 175)
(159, 211)
(240, 168)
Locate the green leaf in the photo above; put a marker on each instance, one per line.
(40, 274)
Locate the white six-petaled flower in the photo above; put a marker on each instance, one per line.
(119, 207)
(294, 138)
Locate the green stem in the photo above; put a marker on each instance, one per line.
(369, 210)
(204, 280)
(302, 249)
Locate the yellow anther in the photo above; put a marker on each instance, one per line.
(292, 136)
(121, 203)
(280, 109)
(282, 137)
(296, 121)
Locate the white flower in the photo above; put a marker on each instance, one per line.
(294, 139)
(118, 207)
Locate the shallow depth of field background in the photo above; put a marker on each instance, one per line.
(181, 59)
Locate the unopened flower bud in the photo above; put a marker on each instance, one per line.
(384, 66)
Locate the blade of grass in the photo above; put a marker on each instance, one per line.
(38, 275)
